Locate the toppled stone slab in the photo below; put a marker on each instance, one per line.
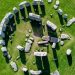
(71, 21)
(64, 36)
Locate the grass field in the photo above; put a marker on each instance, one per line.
(68, 6)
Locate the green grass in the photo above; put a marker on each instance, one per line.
(68, 6)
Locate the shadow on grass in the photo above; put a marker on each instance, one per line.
(7, 60)
(37, 28)
(7, 33)
(35, 7)
(42, 6)
(10, 29)
(55, 58)
(28, 7)
(69, 58)
(43, 64)
(65, 19)
(57, 46)
(26, 73)
(23, 15)
(48, 49)
(22, 57)
(17, 17)
(61, 19)
(46, 66)
(51, 32)
(12, 25)
(39, 63)
(6, 39)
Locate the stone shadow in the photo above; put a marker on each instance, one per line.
(28, 7)
(22, 11)
(6, 39)
(65, 19)
(55, 58)
(37, 28)
(17, 17)
(10, 29)
(35, 7)
(57, 46)
(22, 57)
(46, 65)
(61, 19)
(6, 58)
(42, 6)
(26, 73)
(52, 33)
(69, 58)
(39, 63)
(12, 23)
(43, 64)
(48, 49)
